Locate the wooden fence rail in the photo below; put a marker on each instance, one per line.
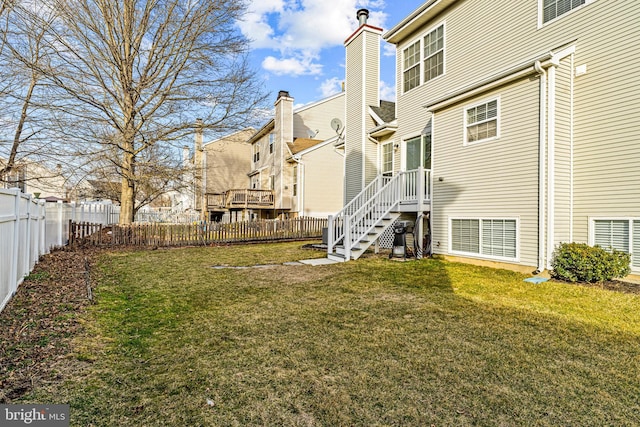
(204, 233)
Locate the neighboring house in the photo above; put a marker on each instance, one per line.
(226, 162)
(39, 181)
(295, 157)
(531, 112)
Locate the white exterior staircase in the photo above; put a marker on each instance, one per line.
(361, 222)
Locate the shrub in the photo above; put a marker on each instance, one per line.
(579, 262)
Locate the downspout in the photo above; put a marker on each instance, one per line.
(298, 160)
(551, 138)
(541, 167)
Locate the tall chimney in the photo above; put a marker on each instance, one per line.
(362, 15)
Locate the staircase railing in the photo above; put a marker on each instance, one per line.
(360, 216)
(347, 227)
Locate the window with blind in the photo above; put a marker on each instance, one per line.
(620, 234)
(423, 60)
(496, 238)
(551, 9)
(481, 121)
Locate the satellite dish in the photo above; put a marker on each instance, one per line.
(336, 125)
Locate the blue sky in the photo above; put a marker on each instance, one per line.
(298, 45)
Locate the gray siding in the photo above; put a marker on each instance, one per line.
(317, 117)
(563, 154)
(492, 179)
(353, 146)
(484, 38)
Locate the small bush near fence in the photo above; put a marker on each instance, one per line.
(203, 233)
(579, 262)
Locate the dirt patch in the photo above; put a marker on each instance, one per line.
(38, 324)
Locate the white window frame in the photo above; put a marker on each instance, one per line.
(480, 254)
(630, 219)
(272, 139)
(421, 58)
(294, 184)
(542, 23)
(485, 101)
(390, 144)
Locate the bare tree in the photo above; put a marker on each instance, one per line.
(142, 71)
(26, 115)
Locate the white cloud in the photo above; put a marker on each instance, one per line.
(388, 49)
(291, 66)
(387, 92)
(331, 87)
(301, 29)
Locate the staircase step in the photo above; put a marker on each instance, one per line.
(337, 257)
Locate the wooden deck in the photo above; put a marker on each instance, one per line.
(241, 199)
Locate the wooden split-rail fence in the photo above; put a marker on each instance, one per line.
(201, 233)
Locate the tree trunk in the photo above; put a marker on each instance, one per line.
(127, 194)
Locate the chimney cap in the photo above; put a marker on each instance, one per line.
(283, 93)
(362, 15)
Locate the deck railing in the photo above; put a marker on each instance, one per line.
(241, 198)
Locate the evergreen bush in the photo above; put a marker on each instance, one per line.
(579, 262)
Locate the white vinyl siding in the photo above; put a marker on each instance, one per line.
(481, 122)
(492, 238)
(619, 234)
(551, 9)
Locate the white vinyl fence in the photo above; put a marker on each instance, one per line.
(59, 214)
(22, 225)
(30, 227)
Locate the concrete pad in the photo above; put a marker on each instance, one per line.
(318, 261)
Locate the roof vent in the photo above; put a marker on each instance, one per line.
(362, 15)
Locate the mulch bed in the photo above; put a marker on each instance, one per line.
(615, 285)
(37, 325)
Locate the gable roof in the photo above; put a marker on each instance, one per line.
(301, 144)
(386, 111)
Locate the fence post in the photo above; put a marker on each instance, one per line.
(13, 283)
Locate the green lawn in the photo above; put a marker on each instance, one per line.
(172, 341)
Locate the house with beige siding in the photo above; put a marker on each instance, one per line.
(296, 156)
(522, 118)
(222, 178)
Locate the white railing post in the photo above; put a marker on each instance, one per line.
(420, 187)
(330, 234)
(59, 224)
(347, 237)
